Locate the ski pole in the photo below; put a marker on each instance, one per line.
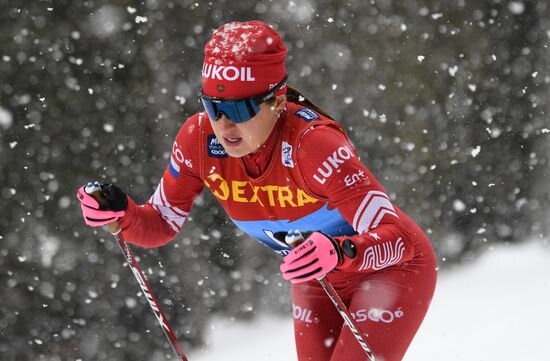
(340, 306)
(114, 228)
(344, 312)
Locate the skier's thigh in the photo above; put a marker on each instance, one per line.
(388, 306)
(317, 323)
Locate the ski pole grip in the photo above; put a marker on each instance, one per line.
(294, 238)
(114, 228)
(294, 244)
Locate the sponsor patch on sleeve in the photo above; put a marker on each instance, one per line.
(307, 114)
(215, 148)
(286, 155)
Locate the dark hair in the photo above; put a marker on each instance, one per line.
(295, 96)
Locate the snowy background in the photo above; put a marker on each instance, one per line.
(446, 101)
(497, 309)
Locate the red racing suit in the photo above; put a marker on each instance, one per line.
(307, 176)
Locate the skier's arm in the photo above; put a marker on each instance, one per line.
(158, 221)
(332, 171)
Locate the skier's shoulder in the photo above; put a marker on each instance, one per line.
(323, 139)
(306, 119)
(302, 114)
(320, 142)
(191, 127)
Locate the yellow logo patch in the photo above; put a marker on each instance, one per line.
(268, 195)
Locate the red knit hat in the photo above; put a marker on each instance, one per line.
(243, 59)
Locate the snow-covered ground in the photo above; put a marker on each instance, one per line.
(495, 309)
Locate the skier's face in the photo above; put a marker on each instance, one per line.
(246, 138)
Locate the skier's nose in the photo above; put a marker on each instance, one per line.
(225, 123)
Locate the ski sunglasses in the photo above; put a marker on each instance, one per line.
(237, 110)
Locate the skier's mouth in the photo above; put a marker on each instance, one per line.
(232, 142)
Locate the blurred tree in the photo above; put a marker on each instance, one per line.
(445, 102)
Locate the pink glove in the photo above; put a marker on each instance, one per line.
(315, 257)
(96, 215)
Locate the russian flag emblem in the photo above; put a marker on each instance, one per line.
(173, 172)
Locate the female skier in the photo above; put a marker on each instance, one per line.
(284, 170)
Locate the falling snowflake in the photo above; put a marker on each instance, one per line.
(516, 7)
(141, 19)
(452, 70)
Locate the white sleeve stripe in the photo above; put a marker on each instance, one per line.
(165, 202)
(362, 206)
(371, 211)
(167, 211)
(162, 196)
(172, 223)
(373, 214)
(382, 213)
(155, 199)
(174, 216)
(159, 198)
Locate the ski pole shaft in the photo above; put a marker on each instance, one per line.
(149, 295)
(114, 228)
(340, 305)
(348, 319)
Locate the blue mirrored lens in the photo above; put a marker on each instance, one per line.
(210, 109)
(237, 111)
